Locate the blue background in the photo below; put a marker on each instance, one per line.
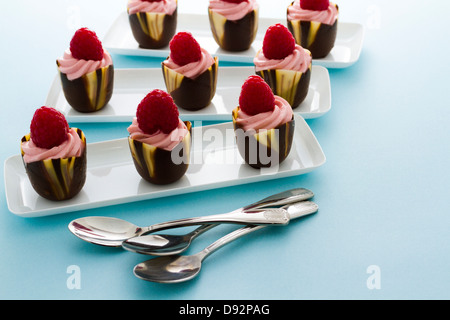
(383, 192)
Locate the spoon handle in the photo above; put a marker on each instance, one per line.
(282, 198)
(295, 210)
(272, 216)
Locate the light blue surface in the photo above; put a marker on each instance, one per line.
(383, 192)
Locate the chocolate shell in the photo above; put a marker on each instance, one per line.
(234, 35)
(160, 166)
(192, 94)
(153, 30)
(58, 179)
(319, 38)
(91, 92)
(265, 148)
(293, 86)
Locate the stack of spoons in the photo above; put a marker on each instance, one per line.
(170, 266)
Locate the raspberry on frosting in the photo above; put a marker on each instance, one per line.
(278, 42)
(157, 111)
(85, 45)
(256, 96)
(318, 5)
(184, 49)
(49, 128)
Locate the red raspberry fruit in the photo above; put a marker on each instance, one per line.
(278, 42)
(317, 5)
(48, 128)
(153, 0)
(184, 49)
(256, 96)
(86, 45)
(157, 111)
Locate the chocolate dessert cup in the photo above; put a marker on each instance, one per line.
(234, 35)
(160, 166)
(58, 179)
(266, 148)
(91, 92)
(291, 85)
(192, 94)
(153, 30)
(319, 38)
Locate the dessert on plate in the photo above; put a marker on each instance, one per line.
(314, 25)
(159, 141)
(284, 65)
(54, 155)
(190, 73)
(263, 123)
(234, 23)
(153, 22)
(87, 72)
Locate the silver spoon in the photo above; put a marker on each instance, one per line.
(108, 231)
(167, 244)
(178, 268)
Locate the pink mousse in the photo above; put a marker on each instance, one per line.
(232, 11)
(299, 60)
(75, 68)
(72, 147)
(281, 114)
(164, 6)
(193, 69)
(329, 16)
(166, 141)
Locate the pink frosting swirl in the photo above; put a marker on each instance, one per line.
(299, 60)
(75, 68)
(233, 11)
(166, 141)
(281, 114)
(72, 147)
(164, 6)
(193, 69)
(329, 16)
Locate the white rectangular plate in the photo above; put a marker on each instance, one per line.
(131, 85)
(112, 178)
(120, 40)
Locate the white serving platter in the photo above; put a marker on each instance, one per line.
(112, 178)
(131, 86)
(119, 40)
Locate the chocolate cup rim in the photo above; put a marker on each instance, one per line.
(161, 13)
(80, 133)
(216, 62)
(335, 4)
(253, 10)
(105, 67)
(185, 122)
(234, 112)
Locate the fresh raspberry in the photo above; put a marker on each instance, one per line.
(317, 5)
(278, 42)
(157, 111)
(48, 128)
(85, 45)
(235, 1)
(184, 49)
(256, 96)
(153, 0)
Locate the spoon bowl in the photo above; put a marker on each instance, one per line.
(169, 269)
(105, 231)
(164, 244)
